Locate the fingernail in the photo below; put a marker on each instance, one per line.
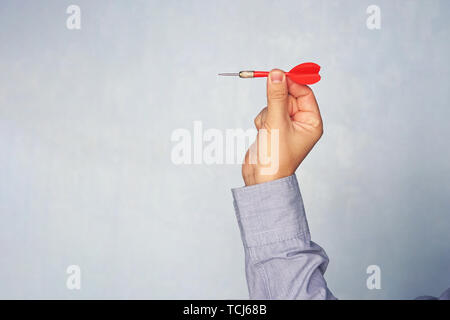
(276, 76)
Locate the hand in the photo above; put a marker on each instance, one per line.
(293, 116)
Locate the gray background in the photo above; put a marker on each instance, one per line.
(86, 117)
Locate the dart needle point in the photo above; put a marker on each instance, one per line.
(228, 74)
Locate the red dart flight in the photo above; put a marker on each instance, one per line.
(305, 73)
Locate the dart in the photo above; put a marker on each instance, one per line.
(305, 73)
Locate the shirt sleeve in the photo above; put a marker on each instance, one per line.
(281, 261)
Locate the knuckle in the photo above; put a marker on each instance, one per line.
(308, 90)
(316, 126)
(319, 128)
(256, 121)
(320, 132)
(317, 123)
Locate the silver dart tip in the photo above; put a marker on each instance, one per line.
(227, 74)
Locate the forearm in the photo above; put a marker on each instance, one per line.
(281, 260)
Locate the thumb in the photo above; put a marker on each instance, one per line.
(277, 96)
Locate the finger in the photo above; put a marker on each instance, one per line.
(292, 106)
(307, 118)
(306, 101)
(298, 90)
(277, 95)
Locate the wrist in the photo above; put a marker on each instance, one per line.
(252, 176)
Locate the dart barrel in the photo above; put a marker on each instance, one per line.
(246, 74)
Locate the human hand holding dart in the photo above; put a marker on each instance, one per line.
(305, 73)
(293, 111)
